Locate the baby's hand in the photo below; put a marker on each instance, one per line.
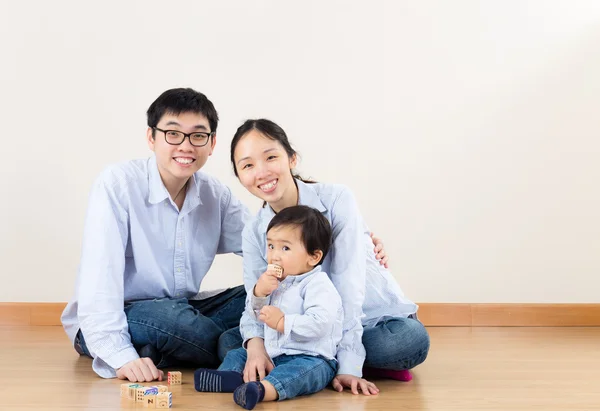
(267, 283)
(272, 316)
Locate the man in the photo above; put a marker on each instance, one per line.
(152, 231)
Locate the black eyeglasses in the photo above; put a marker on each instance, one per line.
(174, 137)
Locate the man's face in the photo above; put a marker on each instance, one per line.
(179, 162)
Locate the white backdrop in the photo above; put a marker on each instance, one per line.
(466, 129)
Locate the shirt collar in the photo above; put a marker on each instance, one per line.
(298, 278)
(308, 196)
(157, 192)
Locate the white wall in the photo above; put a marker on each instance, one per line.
(465, 128)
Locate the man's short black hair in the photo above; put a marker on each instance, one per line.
(182, 100)
(314, 227)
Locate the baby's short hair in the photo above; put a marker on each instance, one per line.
(314, 227)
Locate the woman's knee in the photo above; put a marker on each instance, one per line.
(411, 333)
(399, 343)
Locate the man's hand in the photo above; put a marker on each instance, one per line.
(379, 251)
(258, 363)
(272, 316)
(266, 284)
(354, 383)
(140, 370)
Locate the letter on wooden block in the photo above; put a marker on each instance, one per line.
(150, 401)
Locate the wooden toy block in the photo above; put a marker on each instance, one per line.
(150, 401)
(125, 390)
(174, 377)
(141, 392)
(278, 269)
(164, 400)
(132, 391)
(162, 388)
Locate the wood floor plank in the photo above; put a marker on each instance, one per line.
(492, 369)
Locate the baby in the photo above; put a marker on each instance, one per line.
(301, 311)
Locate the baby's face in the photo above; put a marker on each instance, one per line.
(286, 249)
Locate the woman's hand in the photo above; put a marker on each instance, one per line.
(258, 364)
(379, 251)
(353, 382)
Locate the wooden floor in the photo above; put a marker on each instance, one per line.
(467, 369)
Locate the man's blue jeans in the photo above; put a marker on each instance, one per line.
(292, 376)
(393, 344)
(182, 331)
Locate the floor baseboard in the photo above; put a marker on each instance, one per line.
(510, 315)
(431, 314)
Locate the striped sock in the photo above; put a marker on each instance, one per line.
(207, 380)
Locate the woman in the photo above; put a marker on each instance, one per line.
(380, 332)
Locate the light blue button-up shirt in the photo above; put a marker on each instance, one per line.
(137, 245)
(369, 292)
(313, 316)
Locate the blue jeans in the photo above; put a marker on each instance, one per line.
(393, 344)
(396, 344)
(182, 331)
(292, 376)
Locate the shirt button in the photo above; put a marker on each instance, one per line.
(179, 244)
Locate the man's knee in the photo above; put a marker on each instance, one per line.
(171, 316)
(164, 309)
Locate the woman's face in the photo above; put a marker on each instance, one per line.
(264, 168)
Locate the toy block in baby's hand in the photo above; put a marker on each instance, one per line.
(274, 267)
(164, 400)
(174, 377)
